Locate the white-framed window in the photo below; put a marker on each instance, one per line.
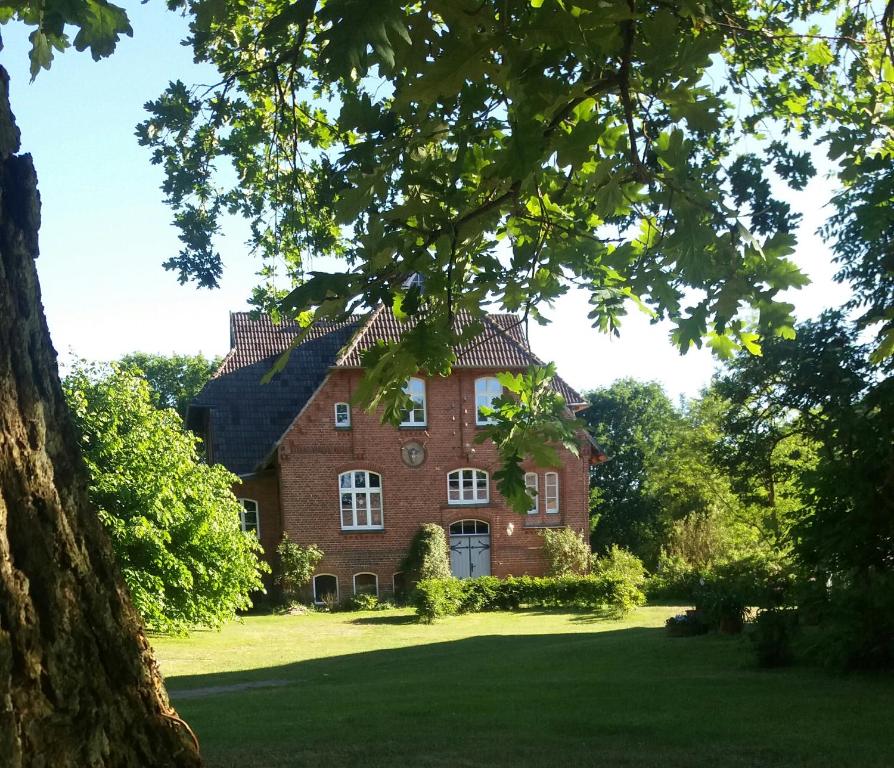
(487, 389)
(469, 528)
(248, 516)
(366, 584)
(360, 494)
(468, 486)
(416, 280)
(531, 486)
(416, 415)
(342, 415)
(325, 588)
(551, 493)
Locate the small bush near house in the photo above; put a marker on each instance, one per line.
(296, 566)
(365, 602)
(568, 552)
(428, 557)
(434, 598)
(621, 563)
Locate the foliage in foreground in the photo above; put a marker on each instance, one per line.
(436, 598)
(172, 519)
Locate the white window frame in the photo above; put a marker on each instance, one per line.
(487, 389)
(366, 573)
(415, 388)
(394, 581)
(551, 495)
(475, 477)
(347, 407)
(368, 493)
(415, 280)
(317, 600)
(256, 510)
(535, 497)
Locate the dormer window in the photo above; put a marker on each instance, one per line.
(415, 280)
(342, 415)
(487, 390)
(416, 415)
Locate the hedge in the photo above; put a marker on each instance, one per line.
(434, 598)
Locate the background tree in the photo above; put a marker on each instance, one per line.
(634, 422)
(174, 380)
(173, 520)
(824, 386)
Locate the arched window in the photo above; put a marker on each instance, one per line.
(468, 486)
(360, 492)
(366, 584)
(487, 389)
(325, 588)
(342, 415)
(551, 493)
(531, 486)
(248, 516)
(416, 415)
(469, 528)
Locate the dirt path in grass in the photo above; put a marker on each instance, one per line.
(213, 690)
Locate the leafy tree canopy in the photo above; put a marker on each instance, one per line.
(174, 380)
(634, 422)
(506, 152)
(173, 520)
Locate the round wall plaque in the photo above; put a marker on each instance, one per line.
(412, 453)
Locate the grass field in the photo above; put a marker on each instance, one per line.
(521, 689)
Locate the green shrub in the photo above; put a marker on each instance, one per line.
(296, 566)
(622, 563)
(856, 621)
(772, 636)
(363, 602)
(724, 604)
(429, 556)
(687, 624)
(435, 598)
(674, 579)
(568, 552)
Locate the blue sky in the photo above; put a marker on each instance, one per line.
(105, 230)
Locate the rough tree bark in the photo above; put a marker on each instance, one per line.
(79, 687)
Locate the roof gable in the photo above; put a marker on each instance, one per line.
(248, 418)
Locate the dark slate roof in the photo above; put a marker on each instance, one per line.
(248, 418)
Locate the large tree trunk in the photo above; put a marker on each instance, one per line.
(79, 687)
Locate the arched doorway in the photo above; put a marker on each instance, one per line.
(469, 549)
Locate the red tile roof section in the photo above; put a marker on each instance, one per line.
(501, 346)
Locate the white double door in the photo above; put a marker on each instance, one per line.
(470, 555)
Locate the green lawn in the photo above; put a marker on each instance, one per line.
(521, 689)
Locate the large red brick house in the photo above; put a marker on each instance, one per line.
(325, 472)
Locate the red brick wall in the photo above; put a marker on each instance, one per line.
(264, 489)
(314, 452)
